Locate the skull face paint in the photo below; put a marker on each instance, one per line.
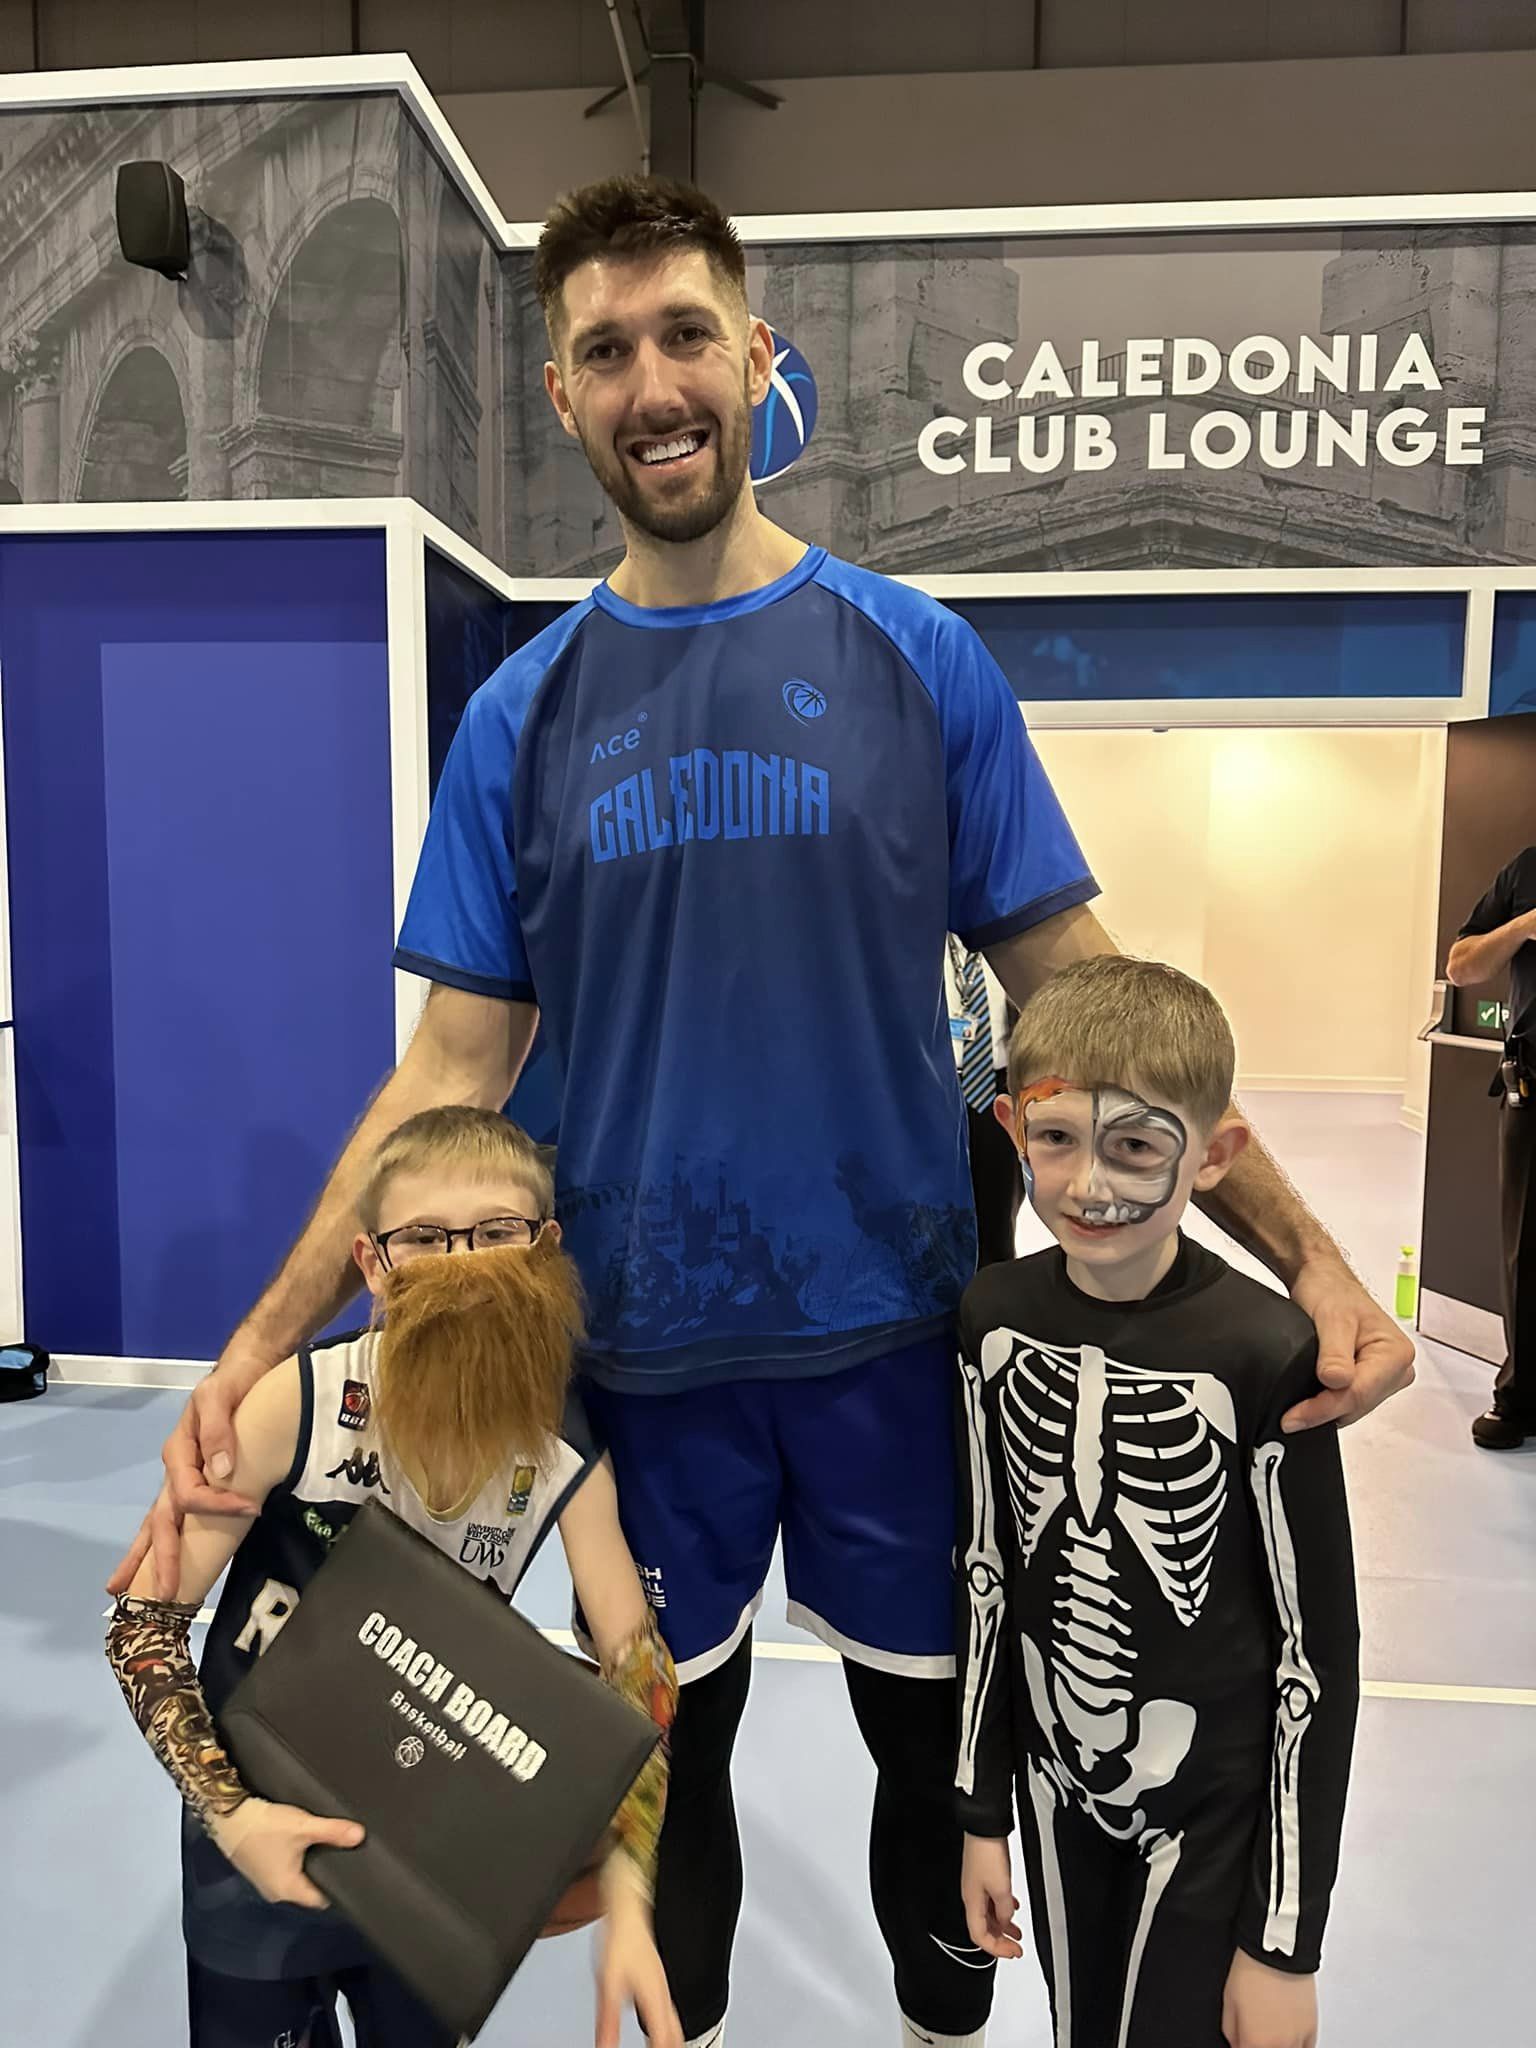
(1112, 1159)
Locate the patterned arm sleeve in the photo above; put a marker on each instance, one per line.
(147, 1647)
(641, 1672)
(984, 1766)
(1303, 1523)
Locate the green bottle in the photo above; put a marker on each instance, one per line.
(1407, 1303)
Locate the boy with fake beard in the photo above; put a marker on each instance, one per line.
(1158, 1643)
(455, 1410)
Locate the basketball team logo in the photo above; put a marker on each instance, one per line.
(353, 1412)
(409, 1753)
(786, 419)
(803, 701)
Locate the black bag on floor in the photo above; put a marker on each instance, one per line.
(23, 1371)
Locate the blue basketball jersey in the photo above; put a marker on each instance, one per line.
(720, 848)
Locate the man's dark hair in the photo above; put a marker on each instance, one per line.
(631, 216)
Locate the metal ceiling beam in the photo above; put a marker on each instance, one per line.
(676, 67)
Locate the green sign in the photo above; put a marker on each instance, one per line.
(1490, 1017)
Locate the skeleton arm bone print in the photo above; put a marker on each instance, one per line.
(1303, 1523)
(984, 1774)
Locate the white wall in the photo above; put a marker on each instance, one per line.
(1294, 871)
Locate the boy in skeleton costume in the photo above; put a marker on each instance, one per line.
(457, 1413)
(1158, 1637)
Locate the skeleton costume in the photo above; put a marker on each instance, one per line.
(1158, 1636)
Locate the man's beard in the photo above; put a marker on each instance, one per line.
(691, 520)
(473, 1363)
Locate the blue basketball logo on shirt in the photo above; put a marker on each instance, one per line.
(784, 422)
(803, 700)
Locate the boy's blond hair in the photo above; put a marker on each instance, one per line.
(480, 1141)
(1134, 1024)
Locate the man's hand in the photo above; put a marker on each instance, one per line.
(1265, 2008)
(267, 1844)
(1363, 1358)
(199, 1452)
(986, 1888)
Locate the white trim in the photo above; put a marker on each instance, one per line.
(711, 1660)
(1450, 1695)
(199, 515)
(406, 616)
(437, 534)
(300, 77)
(1161, 216)
(1477, 650)
(82, 1369)
(1477, 1332)
(891, 1661)
(515, 589)
(11, 1289)
(1318, 582)
(13, 1285)
(1320, 1084)
(1167, 713)
(1413, 1119)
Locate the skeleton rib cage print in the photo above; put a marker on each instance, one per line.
(1157, 1581)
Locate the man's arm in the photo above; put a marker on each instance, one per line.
(1363, 1356)
(1480, 956)
(466, 1049)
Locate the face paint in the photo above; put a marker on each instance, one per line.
(1136, 1153)
(1038, 1091)
(1137, 1150)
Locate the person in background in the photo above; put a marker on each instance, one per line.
(1500, 933)
(980, 1018)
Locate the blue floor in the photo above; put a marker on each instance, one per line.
(1428, 1944)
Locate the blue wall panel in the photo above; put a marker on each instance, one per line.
(198, 815)
(1097, 650)
(1513, 686)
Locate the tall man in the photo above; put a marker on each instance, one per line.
(1500, 933)
(733, 925)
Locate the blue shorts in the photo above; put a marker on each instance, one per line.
(857, 1471)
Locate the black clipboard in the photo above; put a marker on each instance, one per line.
(480, 1811)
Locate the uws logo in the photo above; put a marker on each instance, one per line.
(786, 419)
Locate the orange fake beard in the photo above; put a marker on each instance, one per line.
(473, 1362)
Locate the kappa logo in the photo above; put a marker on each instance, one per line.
(804, 702)
(356, 1402)
(360, 1471)
(617, 743)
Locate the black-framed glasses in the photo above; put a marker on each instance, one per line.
(434, 1240)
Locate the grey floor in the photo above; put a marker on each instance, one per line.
(1429, 1941)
